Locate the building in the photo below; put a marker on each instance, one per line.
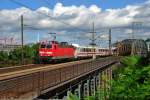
(8, 47)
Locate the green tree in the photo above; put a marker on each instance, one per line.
(132, 82)
(72, 97)
(3, 56)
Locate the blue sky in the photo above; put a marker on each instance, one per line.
(104, 4)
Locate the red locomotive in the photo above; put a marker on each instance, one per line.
(54, 50)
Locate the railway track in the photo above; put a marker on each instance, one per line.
(28, 69)
(18, 68)
(24, 67)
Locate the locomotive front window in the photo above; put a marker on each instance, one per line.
(43, 45)
(49, 46)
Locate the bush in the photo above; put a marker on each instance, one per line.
(133, 82)
(14, 57)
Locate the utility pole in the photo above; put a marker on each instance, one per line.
(136, 26)
(93, 36)
(93, 41)
(22, 56)
(110, 41)
(38, 38)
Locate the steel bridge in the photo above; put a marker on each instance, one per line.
(55, 81)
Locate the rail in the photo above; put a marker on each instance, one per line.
(24, 67)
(17, 68)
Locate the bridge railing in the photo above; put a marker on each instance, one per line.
(37, 82)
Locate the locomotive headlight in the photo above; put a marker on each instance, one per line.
(41, 52)
(49, 52)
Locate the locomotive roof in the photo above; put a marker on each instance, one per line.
(63, 43)
(90, 47)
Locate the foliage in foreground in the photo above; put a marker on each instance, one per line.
(132, 81)
(72, 97)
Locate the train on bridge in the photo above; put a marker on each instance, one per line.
(54, 50)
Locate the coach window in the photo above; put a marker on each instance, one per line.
(93, 50)
(87, 50)
(84, 50)
(81, 50)
(49, 45)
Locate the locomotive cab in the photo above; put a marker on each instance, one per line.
(45, 50)
(54, 50)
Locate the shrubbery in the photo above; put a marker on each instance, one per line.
(133, 81)
(14, 57)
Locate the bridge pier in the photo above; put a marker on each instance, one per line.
(92, 86)
(78, 91)
(97, 79)
(86, 88)
(105, 83)
(97, 84)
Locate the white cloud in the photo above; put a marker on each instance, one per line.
(77, 16)
(95, 9)
(104, 36)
